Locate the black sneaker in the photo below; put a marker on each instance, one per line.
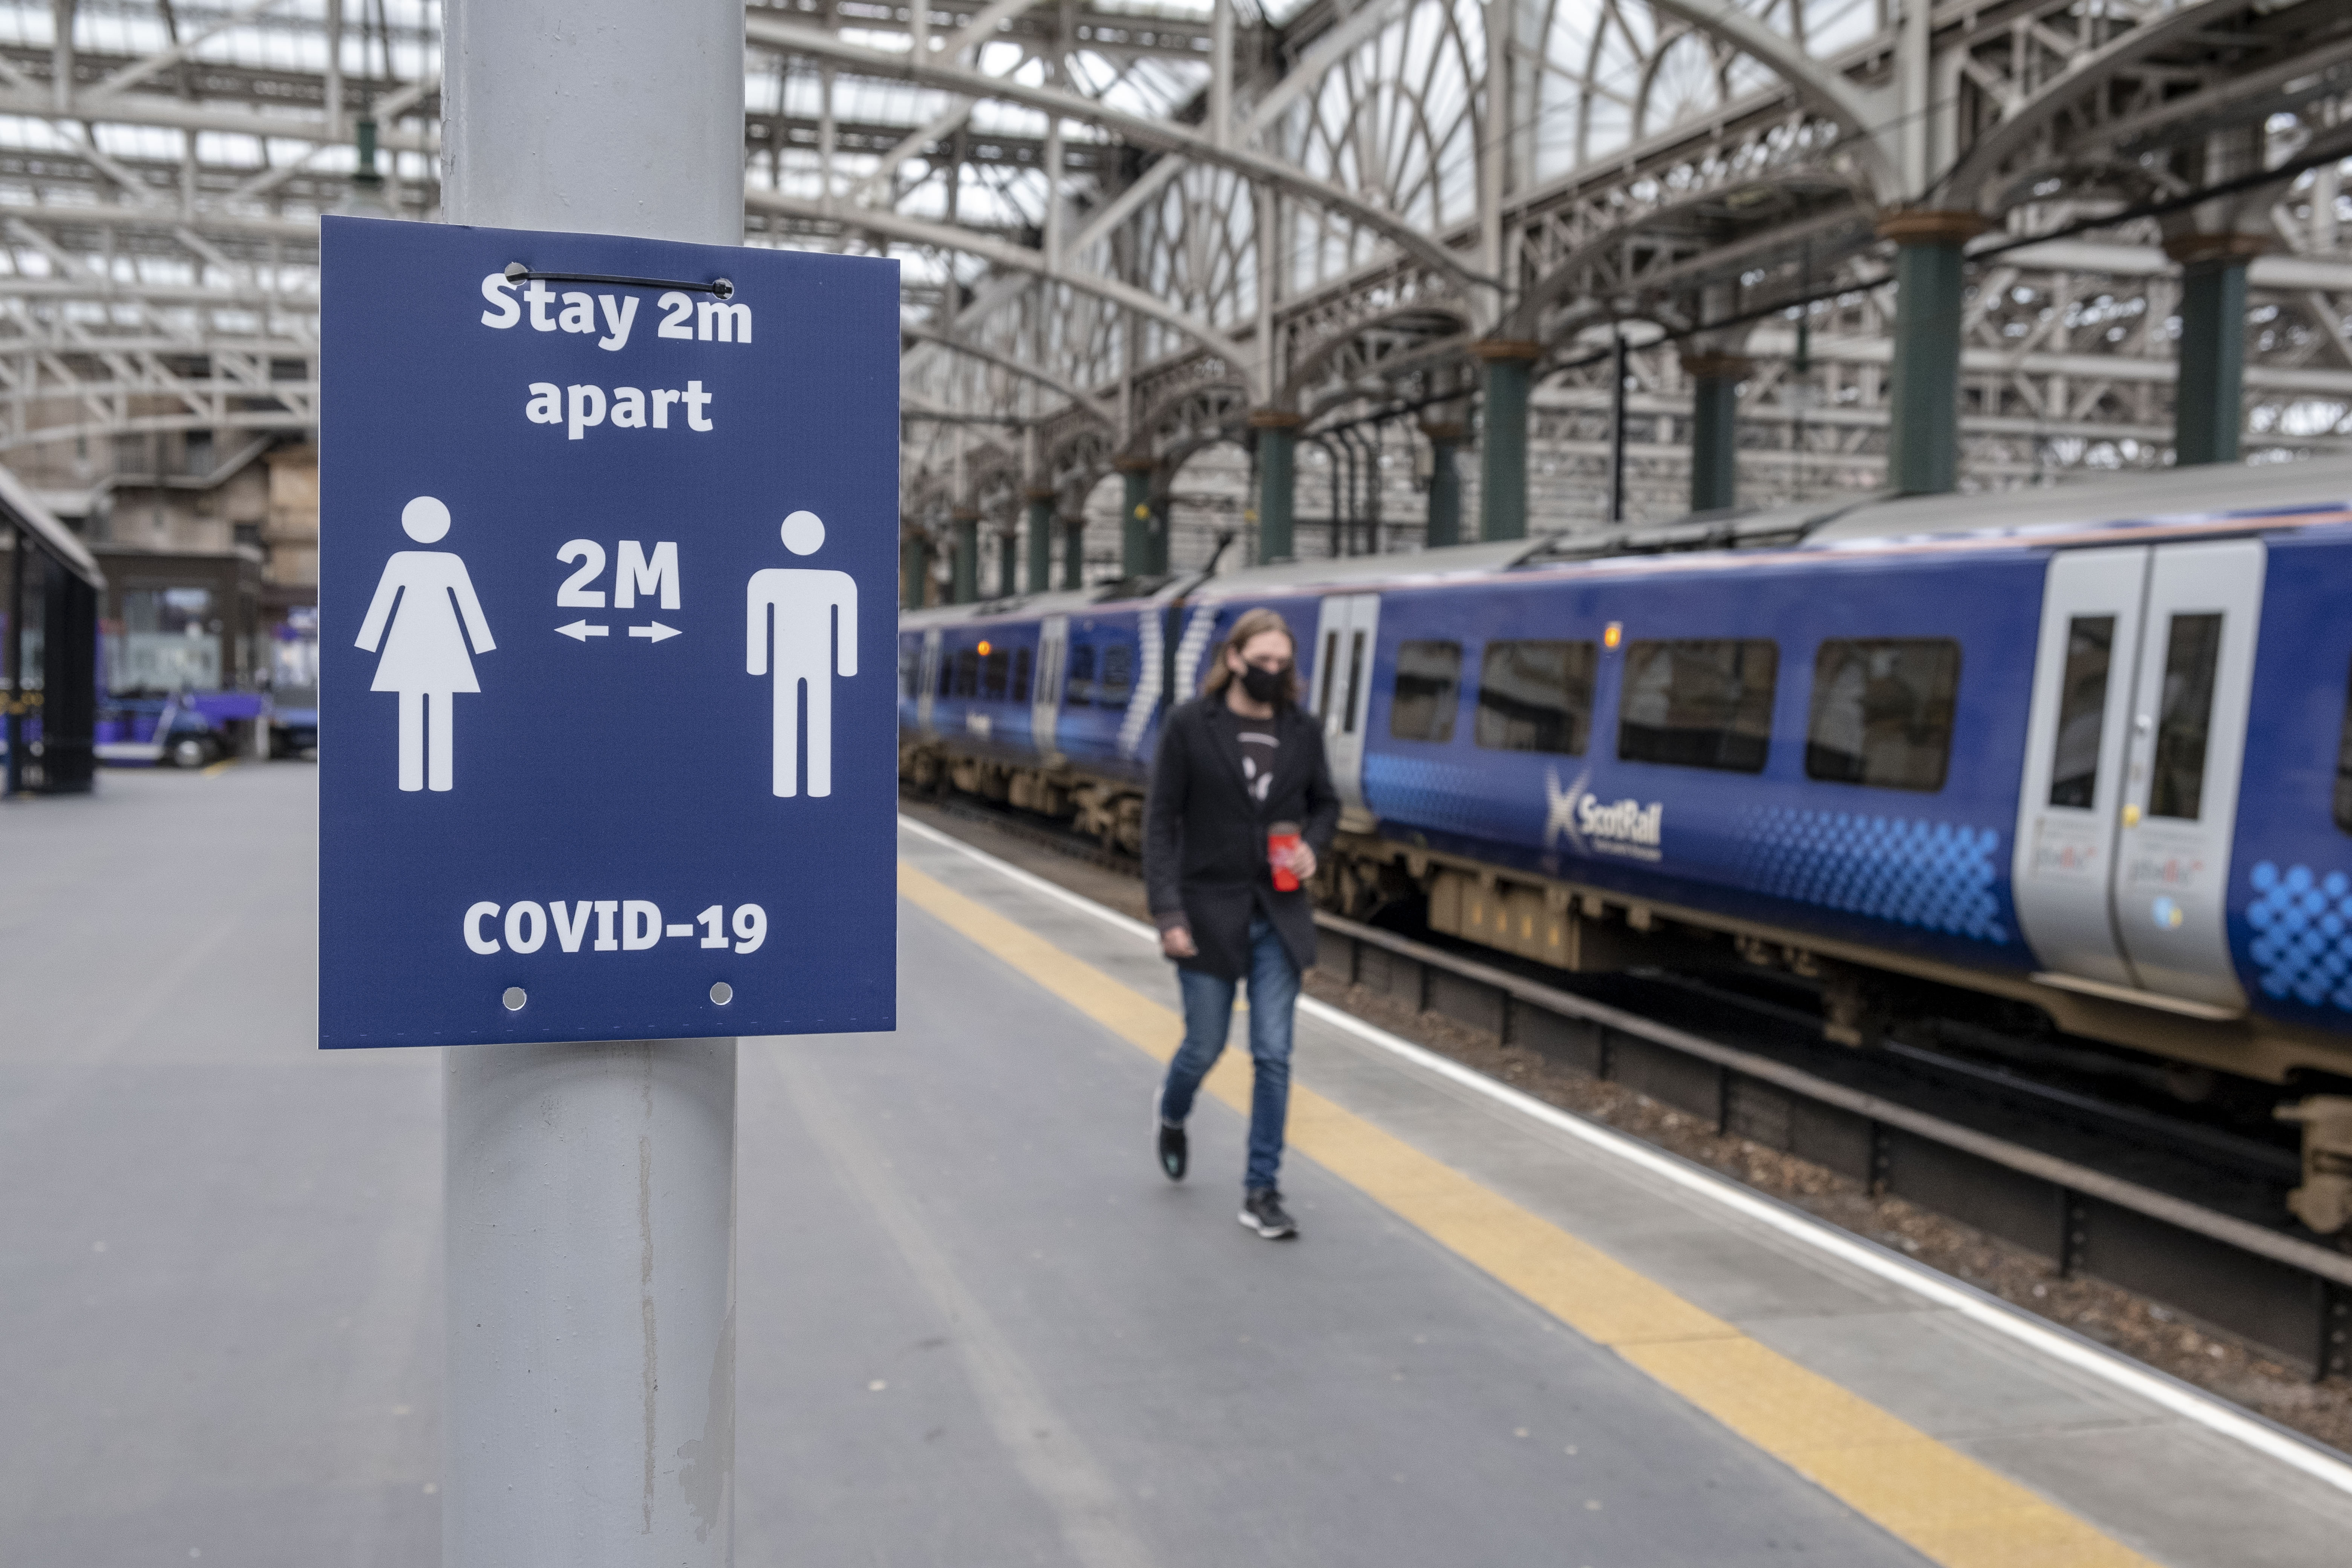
(1263, 1212)
(1174, 1145)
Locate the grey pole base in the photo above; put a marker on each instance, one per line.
(591, 1406)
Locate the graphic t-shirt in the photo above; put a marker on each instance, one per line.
(1258, 745)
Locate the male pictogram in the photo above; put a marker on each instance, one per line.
(809, 649)
(425, 657)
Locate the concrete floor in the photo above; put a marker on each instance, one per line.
(975, 1326)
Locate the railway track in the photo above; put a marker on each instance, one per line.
(2183, 1212)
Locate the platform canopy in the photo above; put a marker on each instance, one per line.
(24, 509)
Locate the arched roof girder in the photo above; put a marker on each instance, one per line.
(1860, 110)
(2004, 141)
(1548, 290)
(1173, 461)
(1080, 399)
(1142, 129)
(1013, 257)
(1324, 53)
(1164, 409)
(1307, 369)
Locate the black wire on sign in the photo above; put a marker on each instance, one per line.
(516, 272)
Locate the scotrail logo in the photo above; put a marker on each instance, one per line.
(1622, 828)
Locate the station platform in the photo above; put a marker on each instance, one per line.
(975, 1325)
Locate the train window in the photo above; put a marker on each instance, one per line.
(2082, 711)
(909, 668)
(2344, 765)
(1355, 682)
(1428, 690)
(1080, 690)
(967, 672)
(1118, 676)
(995, 671)
(947, 673)
(1883, 713)
(1330, 661)
(1536, 696)
(1697, 703)
(2177, 789)
(1021, 657)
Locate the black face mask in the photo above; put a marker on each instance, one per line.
(1265, 685)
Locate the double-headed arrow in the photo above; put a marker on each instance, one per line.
(581, 631)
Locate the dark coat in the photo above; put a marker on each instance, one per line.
(1204, 838)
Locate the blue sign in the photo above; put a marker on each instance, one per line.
(608, 558)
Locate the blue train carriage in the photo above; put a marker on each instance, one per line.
(1972, 747)
(1957, 760)
(1050, 703)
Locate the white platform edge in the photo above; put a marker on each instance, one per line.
(2063, 1346)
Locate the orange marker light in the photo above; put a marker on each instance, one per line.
(984, 649)
(1613, 634)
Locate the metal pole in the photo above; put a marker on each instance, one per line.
(1444, 484)
(1923, 386)
(1503, 437)
(1041, 538)
(2209, 401)
(16, 664)
(590, 1188)
(1343, 523)
(1617, 436)
(1331, 465)
(1278, 482)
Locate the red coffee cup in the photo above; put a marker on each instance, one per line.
(1281, 842)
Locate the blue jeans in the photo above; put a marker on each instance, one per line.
(1209, 1017)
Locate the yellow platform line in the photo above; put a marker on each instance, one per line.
(1948, 1507)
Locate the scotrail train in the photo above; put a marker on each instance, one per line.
(2078, 759)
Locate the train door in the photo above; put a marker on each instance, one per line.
(2187, 741)
(2074, 745)
(2133, 748)
(1045, 696)
(1341, 692)
(927, 681)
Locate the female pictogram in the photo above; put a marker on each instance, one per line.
(425, 657)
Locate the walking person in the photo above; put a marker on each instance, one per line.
(1241, 805)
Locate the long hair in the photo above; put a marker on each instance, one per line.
(1253, 623)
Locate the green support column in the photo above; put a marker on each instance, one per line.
(1041, 540)
(1503, 437)
(967, 555)
(2208, 404)
(1715, 428)
(914, 557)
(1074, 552)
(1923, 392)
(1444, 484)
(1135, 516)
(1008, 565)
(1277, 481)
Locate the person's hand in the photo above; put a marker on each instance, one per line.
(1176, 942)
(1300, 862)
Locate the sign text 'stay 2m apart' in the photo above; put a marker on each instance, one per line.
(607, 596)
